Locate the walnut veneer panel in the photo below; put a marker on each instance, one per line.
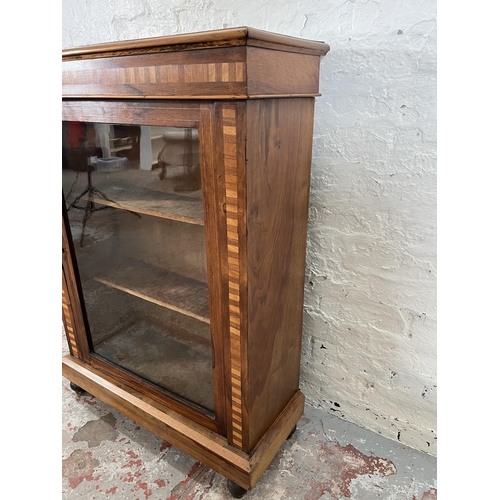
(197, 73)
(227, 37)
(279, 143)
(274, 73)
(251, 95)
(190, 437)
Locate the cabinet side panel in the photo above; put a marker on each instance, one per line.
(279, 143)
(271, 72)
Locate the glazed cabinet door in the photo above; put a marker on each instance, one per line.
(140, 203)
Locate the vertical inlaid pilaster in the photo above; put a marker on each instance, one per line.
(233, 256)
(68, 320)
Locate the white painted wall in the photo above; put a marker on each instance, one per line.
(369, 351)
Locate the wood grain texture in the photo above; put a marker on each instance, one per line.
(275, 436)
(150, 202)
(271, 72)
(73, 307)
(211, 173)
(129, 380)
(261, 64)
(203, 39)
(277, 41)
(233, 266)
(279, 144)
(184, 41)
(208, 447)
(67, 316)
(255, 155)
(182, 114)
(198, 72)
(159, 286)
(177, 429)
(176, 113)
(241, 166)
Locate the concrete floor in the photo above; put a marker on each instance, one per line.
(107, 456)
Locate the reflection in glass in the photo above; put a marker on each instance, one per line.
(133, 195)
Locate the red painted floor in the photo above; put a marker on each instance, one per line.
(108, 456)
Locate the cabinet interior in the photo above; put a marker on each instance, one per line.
(138, 234)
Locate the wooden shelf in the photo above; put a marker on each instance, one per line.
(159, 286)
(161, 355)
(149, 202)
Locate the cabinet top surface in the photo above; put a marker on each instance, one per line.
(203, 39)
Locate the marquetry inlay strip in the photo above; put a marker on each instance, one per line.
(233, 257)
(169, 73)
(68, 320)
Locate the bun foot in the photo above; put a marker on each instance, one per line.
(292, 432)
(76, 388)
(235, 489)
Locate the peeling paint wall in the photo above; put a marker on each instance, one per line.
(369, 350)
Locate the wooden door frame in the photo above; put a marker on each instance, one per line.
(163, 113)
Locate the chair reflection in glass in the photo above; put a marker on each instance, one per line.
(181, 149)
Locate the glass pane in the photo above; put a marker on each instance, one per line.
(133, 195)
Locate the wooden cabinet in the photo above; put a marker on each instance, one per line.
(186, 167)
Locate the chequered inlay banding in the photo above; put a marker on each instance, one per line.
(231, 183)
(68, 321)
(168, 73)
